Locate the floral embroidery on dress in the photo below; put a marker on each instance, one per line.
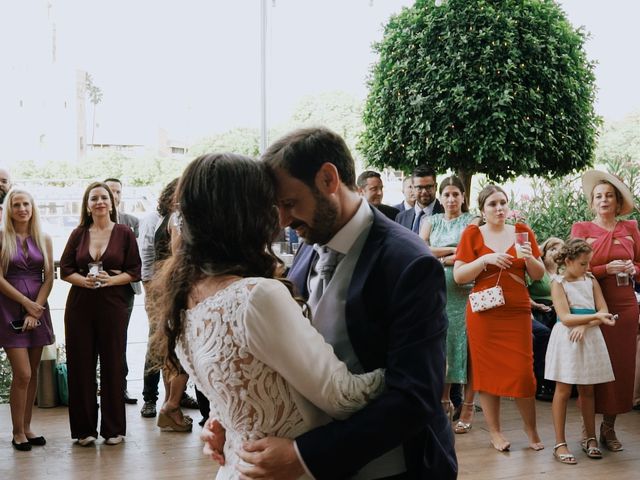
(249, 398)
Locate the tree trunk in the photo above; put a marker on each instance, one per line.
(93, 125)
(466, 177)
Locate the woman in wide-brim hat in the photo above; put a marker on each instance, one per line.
(616, 260)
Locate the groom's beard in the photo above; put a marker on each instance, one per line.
(324, 220)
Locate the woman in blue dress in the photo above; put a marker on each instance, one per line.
(26, 278)
(442, 232)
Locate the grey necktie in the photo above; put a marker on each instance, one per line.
(328, 259)
(416, 222)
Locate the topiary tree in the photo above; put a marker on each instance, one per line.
(501, 87)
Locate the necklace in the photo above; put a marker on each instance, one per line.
(602, 224)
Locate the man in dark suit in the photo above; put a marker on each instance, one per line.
(409, 195)
(383, 307)
(115, 185)
(424, 186)
(371, 188)
(131, 221)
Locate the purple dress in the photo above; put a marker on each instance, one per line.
(25, 275)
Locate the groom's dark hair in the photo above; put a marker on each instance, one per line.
(302, 152)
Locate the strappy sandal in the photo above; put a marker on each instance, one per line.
(168, 424)
(608, 438)
(464, 427)
(566, 458)
(592, 452)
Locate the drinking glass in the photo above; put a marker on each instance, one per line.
(622, 279)
(94, 269)
(521, 239)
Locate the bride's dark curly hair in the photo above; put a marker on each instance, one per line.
(227, 222)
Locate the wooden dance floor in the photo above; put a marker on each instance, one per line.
(151, 454)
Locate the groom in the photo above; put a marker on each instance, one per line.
(378, 297)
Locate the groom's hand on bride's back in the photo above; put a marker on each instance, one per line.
(213, 435)
(270, 458)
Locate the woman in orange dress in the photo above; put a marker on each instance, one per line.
(615, 262)
(500, 340)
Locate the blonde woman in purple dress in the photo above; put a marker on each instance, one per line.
(26, 278)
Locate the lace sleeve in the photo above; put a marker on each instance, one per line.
(280, 336)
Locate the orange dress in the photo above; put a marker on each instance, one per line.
(500, 339)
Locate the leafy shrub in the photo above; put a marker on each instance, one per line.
(5, 377)
(557, 204)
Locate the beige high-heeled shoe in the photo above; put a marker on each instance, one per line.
(464, 427)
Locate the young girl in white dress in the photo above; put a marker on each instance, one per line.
(577, 354)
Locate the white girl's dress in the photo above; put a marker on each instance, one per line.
(585, 362)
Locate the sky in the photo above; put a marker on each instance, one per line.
(192, 66)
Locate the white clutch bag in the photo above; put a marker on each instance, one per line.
(488, 298)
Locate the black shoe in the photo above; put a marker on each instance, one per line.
(636, 407)
(128, 399)
(37, 441)
(456, 413)
(22, 447)
(148, 410)
(574, 392)
(188, 401)
(544, 394)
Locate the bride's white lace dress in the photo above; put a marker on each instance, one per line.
(265, 369)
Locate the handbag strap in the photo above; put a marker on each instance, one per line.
(498, 281)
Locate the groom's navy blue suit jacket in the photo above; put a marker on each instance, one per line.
(395, 314)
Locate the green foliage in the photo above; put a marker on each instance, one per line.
(619, 142)
(151, 169)
(554, 207)
(148, 169)
(501, 87)
(5, 377)
(338, 111)
(245, 141)
(559, 203)
(93, 91)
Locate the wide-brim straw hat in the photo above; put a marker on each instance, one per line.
(592, 178)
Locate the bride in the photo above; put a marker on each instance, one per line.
(237, 331)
